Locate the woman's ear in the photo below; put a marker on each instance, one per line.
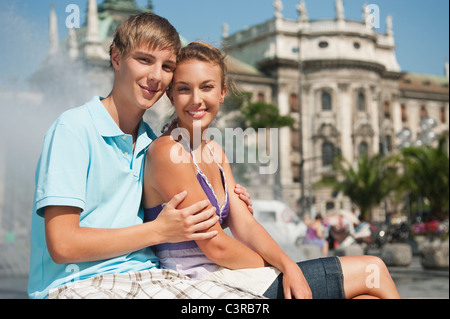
(169, 94)
(223, 94)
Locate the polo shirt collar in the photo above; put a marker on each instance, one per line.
(107, 127)
(102, 119)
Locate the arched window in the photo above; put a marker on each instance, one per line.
(361, 101)
(363, 149)
(327, 154)
(326, 101)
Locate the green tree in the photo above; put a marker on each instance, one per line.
(254, 115)
(367, 183)
(264, 115)
(426, 174)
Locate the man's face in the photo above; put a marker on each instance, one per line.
(143, 75)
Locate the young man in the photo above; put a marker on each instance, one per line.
(87, 214)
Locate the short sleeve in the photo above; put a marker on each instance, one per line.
(62, 170)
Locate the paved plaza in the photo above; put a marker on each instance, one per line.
(413, 283)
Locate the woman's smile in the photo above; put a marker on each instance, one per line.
(197, 114)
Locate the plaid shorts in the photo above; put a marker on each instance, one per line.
(148, 284)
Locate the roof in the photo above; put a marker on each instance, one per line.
(429, 83)
(239, 67)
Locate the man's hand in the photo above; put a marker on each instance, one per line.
(191, 223)
(244, 196)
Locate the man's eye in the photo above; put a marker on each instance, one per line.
(168, 68)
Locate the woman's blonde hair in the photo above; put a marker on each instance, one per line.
(205, 53)
(145, 29)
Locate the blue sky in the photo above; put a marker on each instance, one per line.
(421, 27)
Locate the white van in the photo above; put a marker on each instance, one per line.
(280, 221)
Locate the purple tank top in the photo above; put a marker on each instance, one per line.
(222, 211)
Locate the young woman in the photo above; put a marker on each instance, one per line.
(250, 260)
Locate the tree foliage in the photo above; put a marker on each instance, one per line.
(426, 174)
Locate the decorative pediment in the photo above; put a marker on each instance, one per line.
(364, 130)
(327, 131)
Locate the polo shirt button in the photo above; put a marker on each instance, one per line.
(125, 154)
(124, 138)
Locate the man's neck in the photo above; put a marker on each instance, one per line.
(127, 120)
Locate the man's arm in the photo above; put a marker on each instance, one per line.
(69, 243)
(168, 177)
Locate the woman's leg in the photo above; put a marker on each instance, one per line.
(367, 277)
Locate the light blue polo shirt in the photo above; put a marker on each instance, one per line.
(88, 162)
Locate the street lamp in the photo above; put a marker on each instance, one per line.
(425, 138)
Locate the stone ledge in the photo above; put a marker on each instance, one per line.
(353, 250)
(435, 255)
(399, 255)
(310, 251)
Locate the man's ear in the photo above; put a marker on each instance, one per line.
(115, 59)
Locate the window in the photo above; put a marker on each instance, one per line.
(261, 97)
(295, 137)
(327, 154)
(423, 112)
(323, 44)
(267, 217)
(296, 171)
(326, 101)
(361, 101)
(404, 114)
(387, 110)
(293, 102)
(357, 45)
(363, 149)
(389, 143)
(443, 117)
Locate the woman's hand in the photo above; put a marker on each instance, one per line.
(295, 284)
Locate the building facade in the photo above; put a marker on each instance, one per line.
(341, 81)
(338, 78)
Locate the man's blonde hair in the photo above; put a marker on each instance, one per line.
(147, 29)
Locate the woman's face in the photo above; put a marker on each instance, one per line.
(197, 93)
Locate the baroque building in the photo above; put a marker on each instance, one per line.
(341, 81)
(338, 78)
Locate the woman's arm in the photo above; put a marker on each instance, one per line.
(168, 177)
(247, 230)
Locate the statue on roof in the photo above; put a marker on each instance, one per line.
(389, 25)
(278, 5)
(302, 11)
(340, 10)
